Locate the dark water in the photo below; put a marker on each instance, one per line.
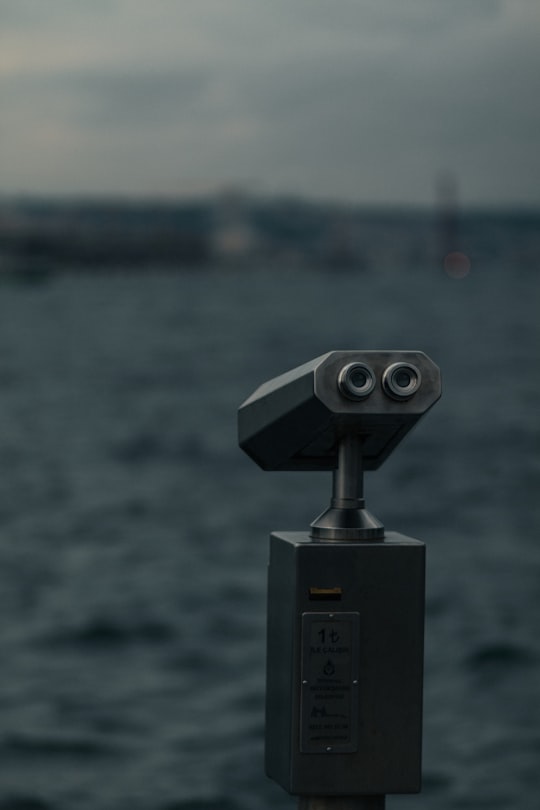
(134, 533)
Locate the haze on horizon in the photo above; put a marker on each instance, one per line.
(356, 100)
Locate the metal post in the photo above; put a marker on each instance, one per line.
(348, 483)
(347, 517)
(341, 803)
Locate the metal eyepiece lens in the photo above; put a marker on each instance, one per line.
(356, 380)
(401, 380)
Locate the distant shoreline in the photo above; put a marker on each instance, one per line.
(39, 233)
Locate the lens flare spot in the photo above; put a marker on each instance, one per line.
(456, 265)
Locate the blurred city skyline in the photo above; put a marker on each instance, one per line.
(355, 101)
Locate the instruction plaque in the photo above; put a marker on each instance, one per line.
(329, 683)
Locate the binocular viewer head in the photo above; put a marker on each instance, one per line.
(297, 420)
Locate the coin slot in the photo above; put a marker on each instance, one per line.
(325, 594)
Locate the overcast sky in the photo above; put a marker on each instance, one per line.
(362, 100)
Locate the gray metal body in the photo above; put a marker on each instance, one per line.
(346, 601)
(344, 717)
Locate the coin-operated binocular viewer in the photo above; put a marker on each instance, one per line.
(345, 600)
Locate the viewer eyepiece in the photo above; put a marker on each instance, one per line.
(401, 380)
(356, 380)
